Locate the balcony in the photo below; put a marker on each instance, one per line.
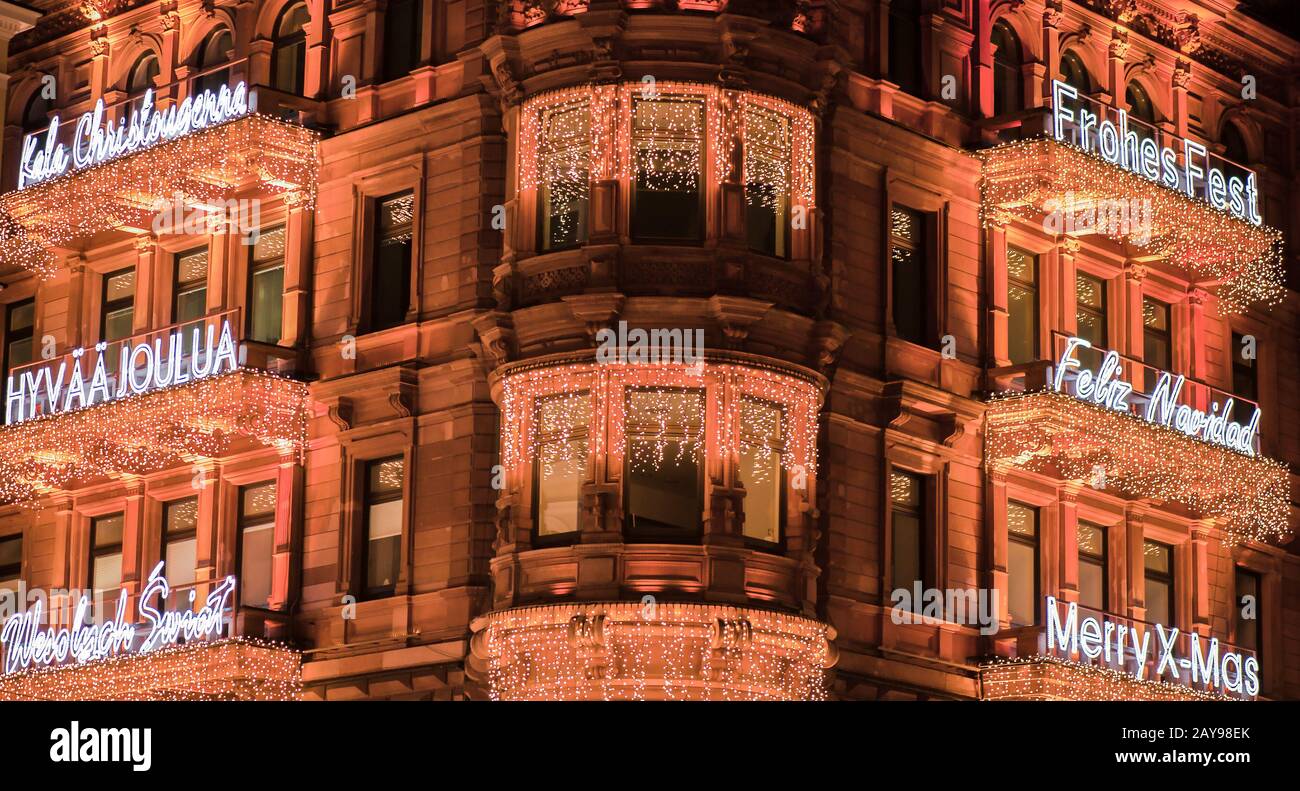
(668, 651)
(145, 403)
(1167, 439)
(72, 195)
(1163, 196)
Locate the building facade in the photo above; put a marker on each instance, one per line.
(647, 349)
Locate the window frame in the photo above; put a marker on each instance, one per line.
(1034, 292)
(1037, 546)
(244, 522)
(376, 240)
(254, 268)
(658, 535)
(702, 174)
(925, 529)
(110, 549)
(1102, 561)
(166, 538)
(1257, 623)
(782, 481)
(1170, 578)
(180, 289)
(920, 248)
(1007, 71)
(282, 42)
(106, 306)
(583, 433)
(1102, 314)
(24, 333)
(1167, 334)
(12, 571)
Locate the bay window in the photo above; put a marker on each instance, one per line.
(662, 164)
(667, 435)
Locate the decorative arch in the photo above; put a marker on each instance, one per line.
(1071, 58)
(124, 64)
(1028, 33)
(26, 89)
(1143, 82)
(196, 35)
(269, 17)
(1238, 118)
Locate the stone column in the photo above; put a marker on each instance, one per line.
(1179, 110)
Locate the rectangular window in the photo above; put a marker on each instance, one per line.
(1022, 306)
(1092, 566)
(180, 540)
(11, 562)
(190, 291)
(1248, 613)
(20, 323)
(564, 170)
(905, 45)
(390, 281)
(1159, 562)
(266, 286)
(383, 528)
(256, 543)
(1022, 564)
(667, 149)
(908, 276)
(767, 181)
(907, 536)
(1090, 310)
(106, 553)
(663, 483)
(561, 463)
(401, 38)
(1157, 343)
(118, 318)
(761, 444)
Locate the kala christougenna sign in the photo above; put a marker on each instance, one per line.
(96, 142)
(26, 644)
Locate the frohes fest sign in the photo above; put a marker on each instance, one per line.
(1132, 145)
(1103, 387)
(26, 644)
(67, 384)
(1149, 652)
(95, 142)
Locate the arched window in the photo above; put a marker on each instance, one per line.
(905, 45)
(289, 56)
(1007, 81)
(1234, 144)
(214, 52)
(1139, 104)
(142, 75)
(36, 116)
(1073, 73)
(401, 38)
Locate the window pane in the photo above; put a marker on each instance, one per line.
(1156, 340)
(905, 490)
(908, 274)
(267, 304)
(767, 180)
(120, 285)
(1247, 611)
(1022, 306)
(11, 562)
(391, 279)
(1090, 295)
(108, 531)
(761, 475)
(1157, 598)
(1022, 520)
(1157, 557)
(179, 558)
(181, 516)
(386, 476)
(564, 161)
(563, 468)
(1022, 583)
(383, 550)
(22, 315)
(106, 574)
(20, 352)
(906, 550)
(668, 137)
(666, 498)
(257, 543)
(1092, 584)
(258, 500)
(401, 38)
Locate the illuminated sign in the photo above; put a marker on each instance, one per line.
(1127, 646)
(96, 142)
(63, 386)
(1104, 388)
(26, 645)
(1132, 146)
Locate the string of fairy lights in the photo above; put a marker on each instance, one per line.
(206, 168)
(239, 668)
(151, 431)
(657, 135)
(1031, 177)
(673, 651)
(658, 412)
(1054, 678)
(1053, 433)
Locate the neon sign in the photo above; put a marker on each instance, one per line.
(140, 367)
(27, 645)
(1128, 647)
(1138, 152)
(95, 142)
(1104, 388)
